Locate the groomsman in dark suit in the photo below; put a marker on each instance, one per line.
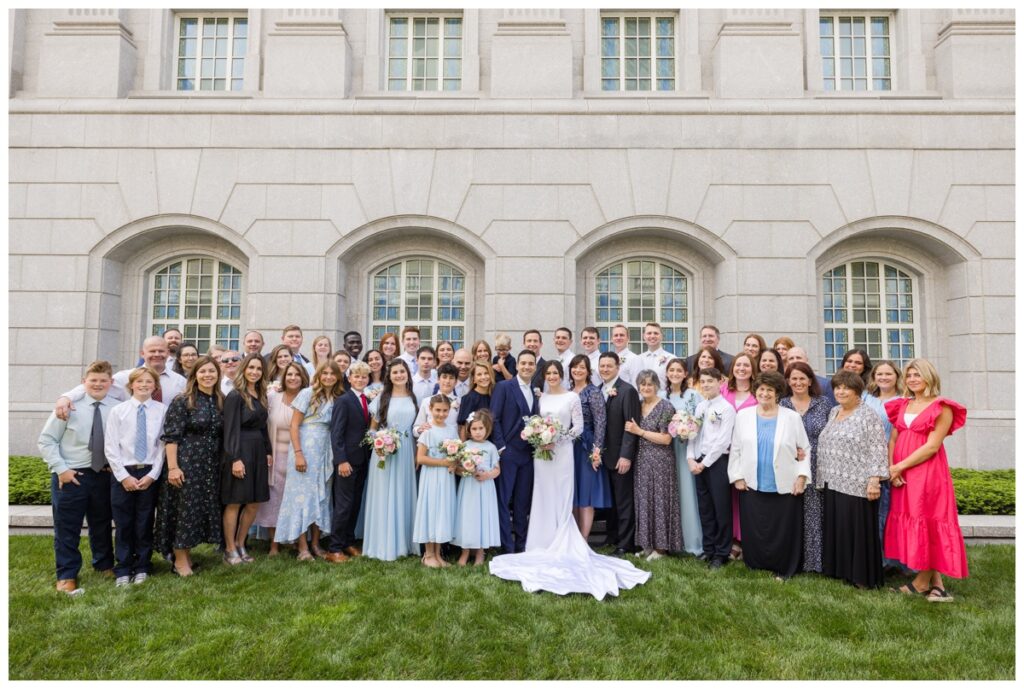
(532, 341)
(512, 400)
(622, 404)
(709, 337)
(349, 421)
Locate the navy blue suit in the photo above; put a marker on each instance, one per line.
(515, 482)
(348, 428)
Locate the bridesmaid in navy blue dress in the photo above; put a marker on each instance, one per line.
(591, 482)
(482, 376)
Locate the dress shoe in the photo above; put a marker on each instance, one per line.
(336, 557)
(108, 573)
(716, 563)
(703, 557)
(352, 551)
(66, 585)
(619, 552)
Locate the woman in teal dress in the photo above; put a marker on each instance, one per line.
(391, 491)
(306, 503)
(683, 398)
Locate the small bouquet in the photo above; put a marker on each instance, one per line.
(595, 456)
(683, 425)
(541, 431)
(385, 442)
(451, 449)
(372, 392)
(469, 461)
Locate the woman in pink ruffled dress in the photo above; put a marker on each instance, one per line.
(922, 530)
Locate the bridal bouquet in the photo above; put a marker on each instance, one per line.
(683, 425)
(452, 449)
(469, 461)
(541, 432)
(385, 442)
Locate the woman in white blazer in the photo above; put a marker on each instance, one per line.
(769, 466)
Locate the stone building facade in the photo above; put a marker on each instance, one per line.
(843, 178)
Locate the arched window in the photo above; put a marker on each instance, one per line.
(869, 305)
(202, 297)
(424, 292)
(639, 291)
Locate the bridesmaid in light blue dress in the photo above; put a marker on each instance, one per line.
(683, 398)
(391, 491)
(435, 505)
(476, 512)
(306, 501)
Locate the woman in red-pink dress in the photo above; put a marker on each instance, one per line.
(922, 530)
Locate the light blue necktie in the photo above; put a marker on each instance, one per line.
(140, 434)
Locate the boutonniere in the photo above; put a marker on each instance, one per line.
(537, 392)
(662, 360)
(622, 359)
(611, 391)
(455, 403)
(371, 394)
(713, 416)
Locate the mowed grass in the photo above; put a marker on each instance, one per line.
(282, 619)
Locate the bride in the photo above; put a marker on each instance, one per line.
(557, 558)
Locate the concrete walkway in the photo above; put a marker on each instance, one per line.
(38, 519)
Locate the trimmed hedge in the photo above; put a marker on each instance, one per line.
(977, 491)
(28, 481)
(985, 492)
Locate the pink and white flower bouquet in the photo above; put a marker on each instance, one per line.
(683, 425)
(452, 449)
(541, 432)
(469, 461)
(385, 442)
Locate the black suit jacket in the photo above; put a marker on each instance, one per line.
(621, 407)
(538, 376)
(348, 428)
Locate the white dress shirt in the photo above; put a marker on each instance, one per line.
(119, 438)
(423, 388)
(171, 385)
(565, 357)
(462, 388)
(610, 385)
(526, 391)
(627, 360)
(411, 360)
(595, 359)
(715, 434)
(656, 361)
(226, 385)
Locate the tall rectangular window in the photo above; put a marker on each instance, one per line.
(638, 53)
(855, 52)
(424, 53)
(210, 54)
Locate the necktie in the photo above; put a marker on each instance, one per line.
(158, 395)
(140, 434)
(366, 409)
(99, 457)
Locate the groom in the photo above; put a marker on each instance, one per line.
(512, 400)
(622, 404)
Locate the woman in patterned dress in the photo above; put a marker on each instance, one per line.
(805, 399)
(655, 491)
(592, 490)
(190, 509)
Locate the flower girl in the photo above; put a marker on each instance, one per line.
(476, 516)
(435, 507)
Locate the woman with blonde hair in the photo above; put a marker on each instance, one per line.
(306, 502)
(886, 381)
(923, 529)
(322, 350)
(481, 351)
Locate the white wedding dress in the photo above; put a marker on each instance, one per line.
(557, 558)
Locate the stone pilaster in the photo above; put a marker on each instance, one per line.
(307, 55)
(88, 53)
(531, 56)
(974, 55)
(758, 55)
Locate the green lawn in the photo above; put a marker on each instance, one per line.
(281, 619)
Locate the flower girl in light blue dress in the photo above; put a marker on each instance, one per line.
(435, 505)
(476, 514)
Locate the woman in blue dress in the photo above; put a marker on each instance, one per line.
(683, 398)
(591, 483)
(391, 491)
(306, 503)
(476, 514)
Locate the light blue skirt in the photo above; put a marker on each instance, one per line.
(390, 507)
(693, 540)
(435, 506)
(476, 515)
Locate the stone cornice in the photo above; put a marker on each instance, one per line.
(532, 22)
(92, 22)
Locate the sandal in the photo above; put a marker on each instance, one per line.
(908, 589)
(305, 556)
(246, 557)
(232, 558)
(938, 595)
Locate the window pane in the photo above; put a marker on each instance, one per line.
(825, 26)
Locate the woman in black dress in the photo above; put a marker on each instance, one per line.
(248, 456)
(482, 376)
(189, 511)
